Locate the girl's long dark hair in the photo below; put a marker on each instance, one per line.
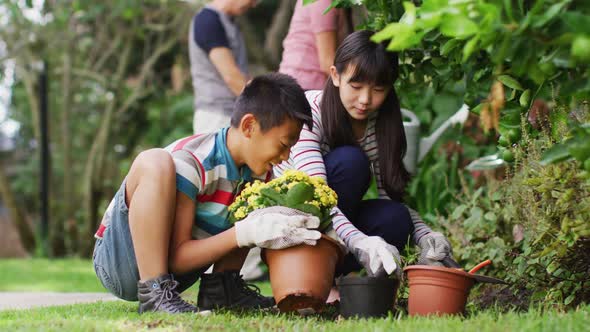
(373, 64)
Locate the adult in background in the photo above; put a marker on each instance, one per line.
(310, 45)
(219, 64)
(219, 69)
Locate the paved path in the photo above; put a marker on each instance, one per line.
(26, 300)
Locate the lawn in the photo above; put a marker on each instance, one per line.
(77, 275)
(59, 275)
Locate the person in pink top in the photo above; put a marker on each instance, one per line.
(310, 45)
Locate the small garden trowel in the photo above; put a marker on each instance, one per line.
(449, 262)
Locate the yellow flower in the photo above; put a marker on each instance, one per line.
(240, 213)
(314, 203)
(250, 198)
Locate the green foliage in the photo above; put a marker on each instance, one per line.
(534, 226)
(109, 68)
(168, 119)
(299, 193)
(433, 187)
(576, 147)
(430, 190)
(532, 48)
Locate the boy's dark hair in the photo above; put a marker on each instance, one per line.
(272, 98)
(371, 63)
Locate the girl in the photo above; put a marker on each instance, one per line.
(358, 136)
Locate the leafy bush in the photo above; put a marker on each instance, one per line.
(577, 147)
(508, 55)
(534, 226)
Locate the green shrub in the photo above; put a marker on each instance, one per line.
(534, 226)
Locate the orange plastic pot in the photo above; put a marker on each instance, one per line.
(437, 290)
(301, 276)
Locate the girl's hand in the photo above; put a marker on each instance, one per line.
(378, 257)
(434, 248)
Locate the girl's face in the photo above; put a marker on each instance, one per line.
(359, 98)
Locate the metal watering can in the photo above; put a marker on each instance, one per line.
(418, 147)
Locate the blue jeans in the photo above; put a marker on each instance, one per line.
(349, 174)
(114, 257)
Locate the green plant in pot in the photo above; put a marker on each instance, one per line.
(294, 189)
(301, 276)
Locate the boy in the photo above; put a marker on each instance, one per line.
(169, 221)
(219, 70)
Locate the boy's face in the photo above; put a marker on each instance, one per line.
(264, 150)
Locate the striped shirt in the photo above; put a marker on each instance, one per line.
(307, 155)
(208, 175)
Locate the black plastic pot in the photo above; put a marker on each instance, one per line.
(366, 296)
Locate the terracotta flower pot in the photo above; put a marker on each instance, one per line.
(301, 276)
(366, 296)
(437, 290)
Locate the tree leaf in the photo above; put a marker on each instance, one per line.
(458, 212)
(405, 41)
(555, 154)
(490, 216)
(525, 98)
(579, 148)
(569, 299)
(576, 22)
(469, 48)
(458, 26)
(510, 82)
(449, 46)
(409, 16)
(390, 31)
(476, 213)
(549, 14)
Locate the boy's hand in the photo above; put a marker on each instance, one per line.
(378, 257)
(434, 248)
(277, 227)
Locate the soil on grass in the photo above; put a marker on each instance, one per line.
(502, 298)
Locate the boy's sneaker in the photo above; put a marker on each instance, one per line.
(229, 290)
(160, 294)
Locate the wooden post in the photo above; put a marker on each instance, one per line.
(45, 158)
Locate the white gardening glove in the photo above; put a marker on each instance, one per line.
(277, 227)
(434, 248)
(378, 257)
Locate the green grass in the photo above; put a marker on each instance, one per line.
(58, 275)
(78, 275)
(61, 275)
(121, 316)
